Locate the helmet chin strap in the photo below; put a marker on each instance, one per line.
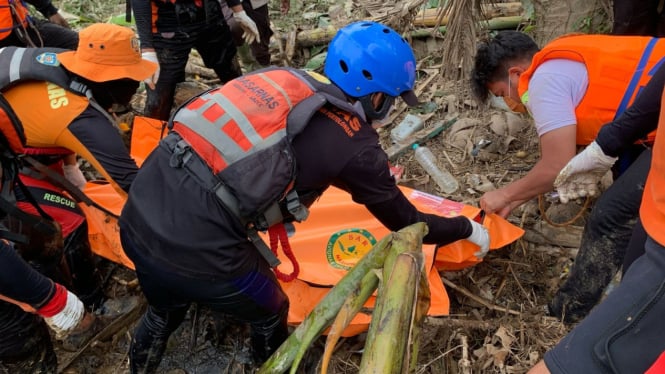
(373, 113)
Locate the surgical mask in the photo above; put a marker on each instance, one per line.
(512, 104)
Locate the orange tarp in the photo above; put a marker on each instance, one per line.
(337, 233)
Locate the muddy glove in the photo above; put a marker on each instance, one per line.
(480, 237)
(251, 33)
(151, 56)
(580, 177)
(63, 312)
(74, 175)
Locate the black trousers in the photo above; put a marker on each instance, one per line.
(215, 45)
(606, 236)
(255, 297)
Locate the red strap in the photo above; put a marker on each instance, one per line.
(56, 304)
(278, 232)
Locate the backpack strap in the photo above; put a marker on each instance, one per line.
(43, 171)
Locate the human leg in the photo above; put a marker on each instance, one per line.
(604, 241)
(218, 51)
(166, 311)
(624, 333)
(172, 53)
(260, 15)
(256, 298)
(635, 246)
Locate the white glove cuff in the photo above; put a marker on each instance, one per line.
(602, 158)
(480, 237)
(68, 318)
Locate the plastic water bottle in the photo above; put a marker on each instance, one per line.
(410, 124)
(442, 177)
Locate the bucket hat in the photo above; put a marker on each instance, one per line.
(107, 52)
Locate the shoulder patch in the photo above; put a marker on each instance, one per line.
(345, 248)
(48, 58)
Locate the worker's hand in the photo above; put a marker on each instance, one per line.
(580, 177)
(481, 237)
(65, 318)
(74, 175)
(285, 6)
(151, 56)
(58, 19)
(251, 33)
(496, 201)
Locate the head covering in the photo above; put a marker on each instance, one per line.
(107, 52)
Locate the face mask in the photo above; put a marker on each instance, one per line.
(512, 104)
(380, 122)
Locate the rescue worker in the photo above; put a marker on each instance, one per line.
(29, 302)
(566, 89)
(168, 31)
(19, 29)
(624, 333)
(194, 248)
(58, 123)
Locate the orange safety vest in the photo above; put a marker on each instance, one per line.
(618, 68)
(11, 11)
(652, 209)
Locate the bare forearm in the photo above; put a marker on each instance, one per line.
(538, 180)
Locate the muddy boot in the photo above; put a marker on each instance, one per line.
(268, 335)
(113, 311)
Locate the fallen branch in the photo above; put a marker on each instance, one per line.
(479, 299)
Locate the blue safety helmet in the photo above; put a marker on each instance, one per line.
(366, 57)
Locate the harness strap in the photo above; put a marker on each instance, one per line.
(61, 182)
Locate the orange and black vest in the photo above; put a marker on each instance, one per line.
(618, 68)
(652, 210)
(243, 131)
(12, 14)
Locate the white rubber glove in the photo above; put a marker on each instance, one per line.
(580, 177)
(481, 237)
(74, 175)
(251, 33)
(152, 57)
(68, 318)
